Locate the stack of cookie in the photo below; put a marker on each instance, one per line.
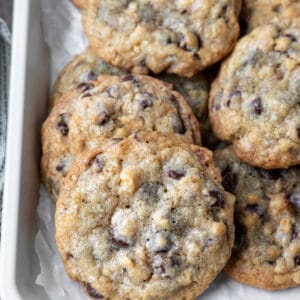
(141, 206)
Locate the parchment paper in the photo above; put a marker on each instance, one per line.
(64, 35)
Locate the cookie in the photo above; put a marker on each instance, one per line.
(267, 218)
(81, 4)
(83, 68)
(180, 37)
(87, 66)
(145, 218)
(110, 107)
(254, 102)
(257, 12)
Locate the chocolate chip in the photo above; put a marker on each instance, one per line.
(196, 56)
(91, 76)
(298, 132)
(97, 163)
(297, 260)
(294, 233)
(256, 209)
(199, 41)
(277, 8)
(220, 202)
(291, 37)
(175, 261)
(60, 167)
(130, 77)
(148, 192)
(145, 103)
(103, 118)
(62, 125)
(294, 199)
(120, 243)
(257, 106)
(117, 140)
(229, 180)
(69, 255)
(84, 86)
(92, 292)
(175, 174)
(270, 174)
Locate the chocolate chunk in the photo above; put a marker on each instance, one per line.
(294, 199)
(256, 209)
(62, 124)
(257, 106)
(229, 180)
(270, 174)
(297, 260)
(220, 202)
(103, 118)
(120, 243)
(91, 76)
(175, 174)
(92, 292)
(97, 163)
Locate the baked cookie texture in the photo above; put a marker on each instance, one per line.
(81, 4)
(110, 107)
(145, 218)
(257, 12)
(267, 219)
(254, 102)
(181, 37)
(87, 66)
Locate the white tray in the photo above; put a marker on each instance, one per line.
(27, 109)
(29, 84)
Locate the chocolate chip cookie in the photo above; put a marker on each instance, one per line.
(146, 218)
(109, 107)
(83, 68)
(258, 12)
(267, 218)
(87, 66)
(180, 37)
(254, 102)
